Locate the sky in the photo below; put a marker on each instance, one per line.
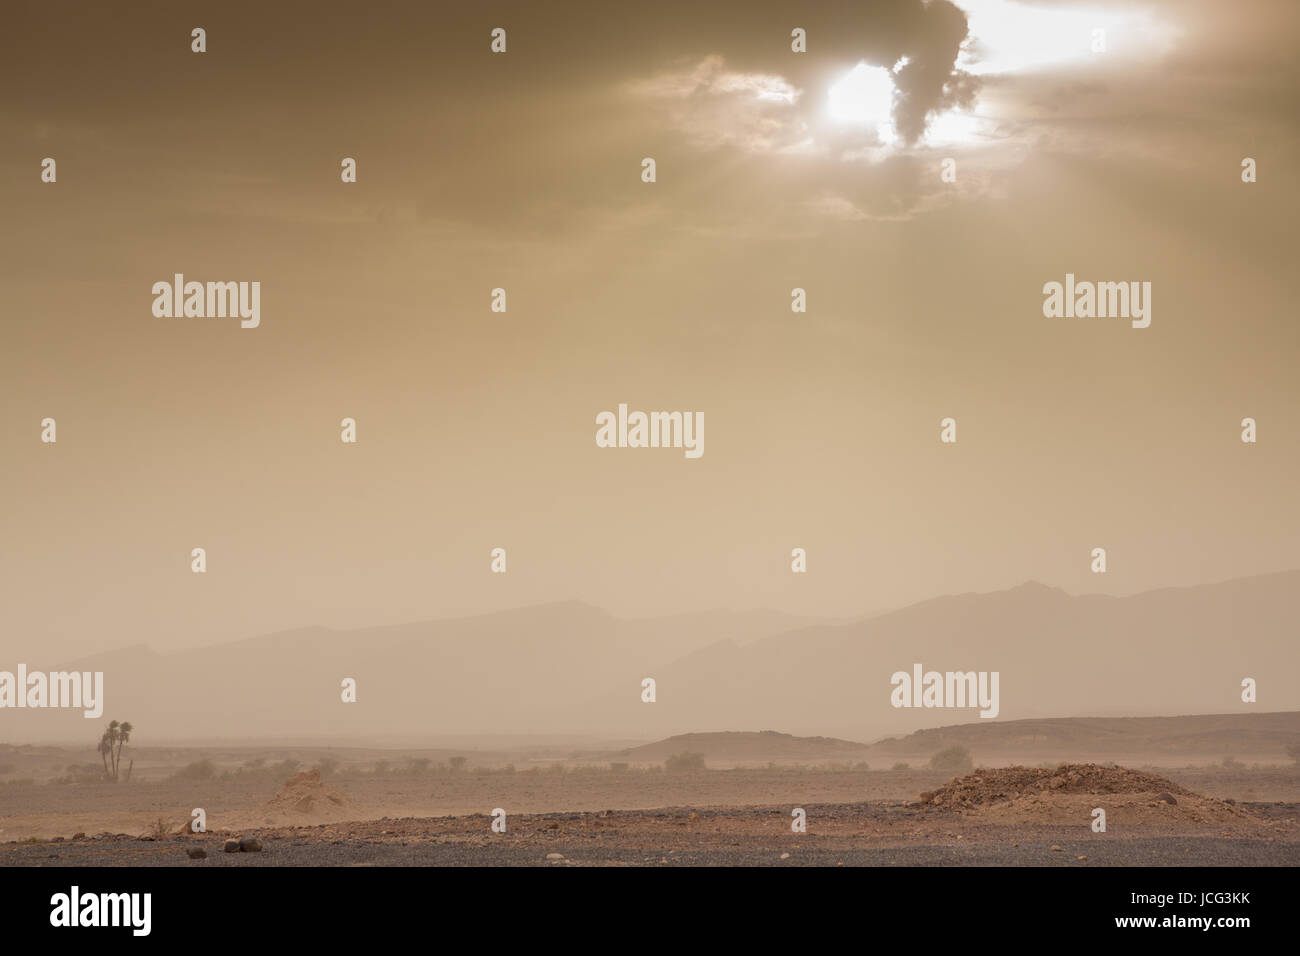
(522, 170)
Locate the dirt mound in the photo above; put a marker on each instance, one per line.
(985, 787)
(305, 798)
(1071, 793)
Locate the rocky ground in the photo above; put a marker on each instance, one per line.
(1011, 816)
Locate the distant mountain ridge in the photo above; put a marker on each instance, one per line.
(738, 745)
(1223, 734)
(572, 668)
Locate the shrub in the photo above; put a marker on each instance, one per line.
(198, 770)
(683, 762)
(954, 759)
(81, 773)
(902, 766)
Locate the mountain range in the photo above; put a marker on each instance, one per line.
(573, 668)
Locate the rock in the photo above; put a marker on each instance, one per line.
(1055, 848)
(555, 856)
(1167, 798)
(197, 853)
(785, 856)
(927, 796)
(1081, 858)
(231, 846)
(82, 834)
(250, 844)
(1230, 802)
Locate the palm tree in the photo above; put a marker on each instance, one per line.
(123, 737)
(110, 747)
(104, 748)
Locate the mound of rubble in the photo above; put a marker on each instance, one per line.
(1070, 793)
(984, 787)
(305, 798)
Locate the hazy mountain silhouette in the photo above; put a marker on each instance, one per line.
(572, 668)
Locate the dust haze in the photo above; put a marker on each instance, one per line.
(368, 568)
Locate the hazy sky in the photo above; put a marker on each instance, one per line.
(523, 171)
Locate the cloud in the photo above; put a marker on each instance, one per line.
(736, 100)
(716, 106)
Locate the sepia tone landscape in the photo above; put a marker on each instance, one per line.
(698, 799)
(368, 577)
(1209, 789)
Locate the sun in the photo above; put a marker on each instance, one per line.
(865, 97)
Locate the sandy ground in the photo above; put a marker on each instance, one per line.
(740, 817)
(47, 811)
(873, 834)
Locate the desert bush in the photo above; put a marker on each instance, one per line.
(684, 762)
(198, 770)
(902, 766)
(954, 759)
(81, 773)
